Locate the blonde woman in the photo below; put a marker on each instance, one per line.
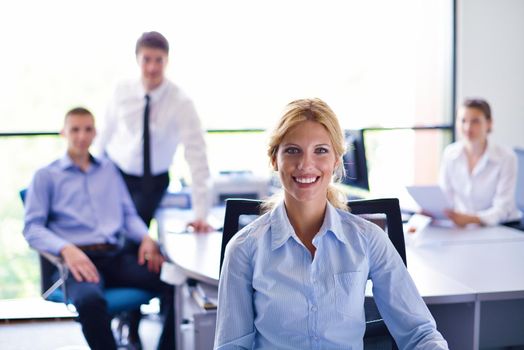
(295, 278)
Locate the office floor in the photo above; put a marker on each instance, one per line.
(63, 335)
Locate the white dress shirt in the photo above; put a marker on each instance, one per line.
(173, 120)
(489, 190)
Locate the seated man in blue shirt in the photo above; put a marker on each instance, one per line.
(77, 207)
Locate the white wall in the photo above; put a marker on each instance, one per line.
(490, 62)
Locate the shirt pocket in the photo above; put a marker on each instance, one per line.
(350, 292)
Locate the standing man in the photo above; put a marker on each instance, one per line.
(145, 122)
(77, 207)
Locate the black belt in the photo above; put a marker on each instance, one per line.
(135, 177)
(98, 247)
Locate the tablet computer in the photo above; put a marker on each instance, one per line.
(431, 200)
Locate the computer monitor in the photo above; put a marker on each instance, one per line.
(355, 162)
(239, 184)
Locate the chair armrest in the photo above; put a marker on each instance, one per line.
(63, 271)
(53, 259)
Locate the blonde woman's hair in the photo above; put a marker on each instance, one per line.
(318, 111)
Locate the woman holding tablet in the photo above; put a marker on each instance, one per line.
(478, 176)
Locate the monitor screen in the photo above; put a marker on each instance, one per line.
(355, 162)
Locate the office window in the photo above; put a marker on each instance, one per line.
(397, 158)
(380, 65)
(19, 275)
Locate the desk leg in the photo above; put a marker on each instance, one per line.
(476, 330)
(171, 274)
(178, 304)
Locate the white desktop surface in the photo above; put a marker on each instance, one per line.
(196, 254)
(486, 268)
(434, 286)
(434, 235)
(486, 259)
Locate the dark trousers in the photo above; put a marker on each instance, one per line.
(146, 200)
(117, 269)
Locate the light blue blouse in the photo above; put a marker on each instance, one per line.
(273, 295)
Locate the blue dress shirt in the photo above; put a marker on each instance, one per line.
(273, 295)
(67, 205)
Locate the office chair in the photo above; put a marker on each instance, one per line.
(377, 334)
(122, 303)
(519, 190)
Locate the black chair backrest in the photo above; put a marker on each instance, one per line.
(47, 269)
(376, 329)
(390, 207)
(235, 208)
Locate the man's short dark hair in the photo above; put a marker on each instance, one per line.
(78, 111)
(153, 40)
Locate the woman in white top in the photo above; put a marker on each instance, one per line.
(477, 175)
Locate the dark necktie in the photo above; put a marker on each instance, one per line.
(147, 177)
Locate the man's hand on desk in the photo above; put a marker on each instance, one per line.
(149, 253)
(200, 226)
(79, 264)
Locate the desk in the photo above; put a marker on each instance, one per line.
(489, 261)
(471, 279)
(195, 256)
